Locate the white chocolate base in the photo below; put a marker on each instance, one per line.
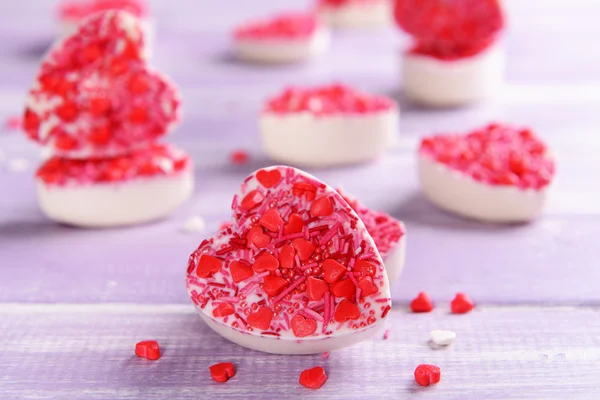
(394, 261)
(439, 83)
(275, 345)
(279, 51)
(358, 14)
(69, 27)
(115, 204)
(459, 193)
(323, 141)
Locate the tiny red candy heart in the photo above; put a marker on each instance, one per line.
(271, 220)
(268, 178)
(286, 257)
(346, 311)
(313, 378)
(273, 285)
(303, 327)
(304, 248)
(265, 262)
(148, 349)
(208, 265)
(223, 310)
(364, 268)
(240, 271)
(344, 288)
(222, 372)
(427, 374)
(304, 189)
(461, 304)
(294, 225)
(333, 271)
(422, 303)
(321, 207)
(261, 319)
(367, 286)
(257, 237)
(251, 200)
(316, 288)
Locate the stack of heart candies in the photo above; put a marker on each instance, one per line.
(100, 111)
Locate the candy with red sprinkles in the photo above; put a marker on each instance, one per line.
(283, 26)
(422, 303)
(148, 349)
(313, 378)
(222, 372)
(79, 9)
(427, 374)
(461, 304)
(95, 96)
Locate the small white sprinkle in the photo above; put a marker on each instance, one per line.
(442, 338)
(194, 224)
(17, 164)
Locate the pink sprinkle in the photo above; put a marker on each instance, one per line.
(292, 236)
(351, 263)
(297, 258)
(307, 266)
(249, 287)
(381, 300)
(306, 233)
(287, 320)
(326, 311)
(326, 355)
(281, 230)
(386, 334)
(358, 292)
(289, 289)
(312, 314)
(330, 233)
(230, 300)
(352, 278)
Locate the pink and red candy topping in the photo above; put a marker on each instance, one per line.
(385, 230)
(94, 95)
(422, 303)
(283, 26)
(297, 262)
(450, 28)
(222, 372)
(313, 378)
(496, 155)
(79, 9)
(343, 3)
(427, 374)
(156, 160)
(148, 349)
(461, 304)
(328, 100)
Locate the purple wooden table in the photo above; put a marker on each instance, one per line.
(74, 302)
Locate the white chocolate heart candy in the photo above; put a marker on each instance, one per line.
(296, 273)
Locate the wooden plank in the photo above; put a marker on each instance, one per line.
(86, 352)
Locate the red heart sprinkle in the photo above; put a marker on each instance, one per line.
(316, 288)
(303, 327)
(364, 268)
(367, 286)
(321, 207)
(461, 304)
(313, 378)
(346, 311)
(294, 225)
(273, 285)
(222, 372)
(422, 303)
(251, 200)
(239, 271)
(304, 248)
(257, 237)
(286, 256)
(265, 262)
(223, 310)
(427, 374)
(261, 319)
(333, 271)
(148, 349)
(268, 178)
(344, 289)
(304, 189)
(208, 265)
(271, 220)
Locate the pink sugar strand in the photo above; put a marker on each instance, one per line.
(287, 320)
(281, 230)
(306, 233)
(326, 311)
(249, 287)
(330, 233)
(297, 258)
(307, 266)
(351, 263)
(352, 278)
(381, 300)
(227, 283)
(358, 293)
(230, 299)
(289, 289)
(386, 334)
(313, 314)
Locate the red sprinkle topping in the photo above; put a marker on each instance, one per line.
(290, 263)
(313, 378)
(148, 349)
(461, 304)
(343, 3)
(79, 9)
(427, 374)
(327, 100)
(450, 29)
(94, 95)
(158, 159)
(239, 157)
(384, 229)
(496, 155)
(222, 372)
(422, 303)
(284, 26)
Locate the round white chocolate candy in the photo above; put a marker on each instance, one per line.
(446, 83)
(357, 13)
(113, 192)
(297, 272)
(495, 174)
(328, 126)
